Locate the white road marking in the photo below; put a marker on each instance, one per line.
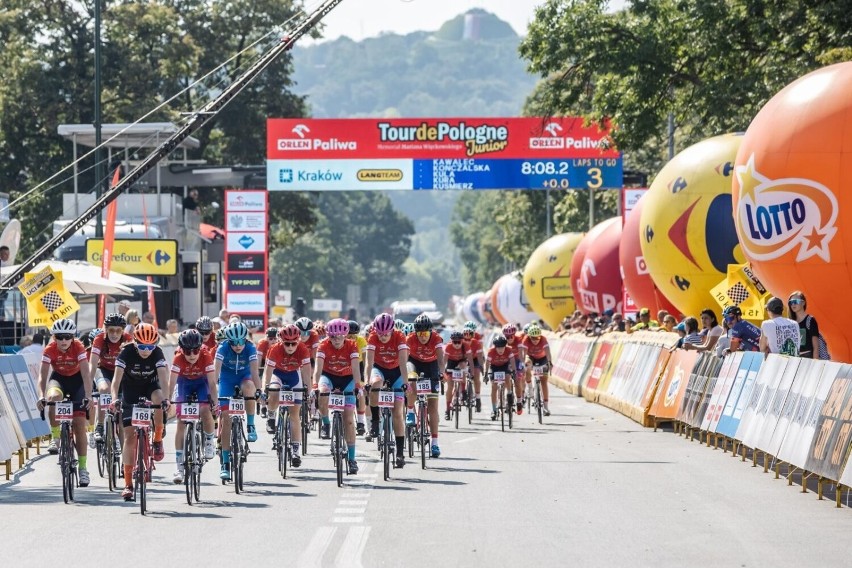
(466, 440)
(353, 502)
(352, 548)
(353, 520)
(312, 556)
(349, 511)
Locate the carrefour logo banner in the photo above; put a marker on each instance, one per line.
(440, 153)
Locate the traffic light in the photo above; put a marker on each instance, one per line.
(299, 308)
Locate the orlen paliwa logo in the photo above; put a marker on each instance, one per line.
(776, 216)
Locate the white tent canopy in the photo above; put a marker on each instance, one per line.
(84, 278)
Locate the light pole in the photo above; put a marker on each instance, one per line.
(99, 170)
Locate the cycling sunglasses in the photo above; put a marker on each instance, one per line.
(290, 343)
(63, 337)
(238, 342)
(145, 347)
(423, 333)
(192, 351)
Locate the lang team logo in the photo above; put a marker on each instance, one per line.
(778, 215)
(674, 387)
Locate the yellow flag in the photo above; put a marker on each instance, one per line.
(741, 288)
(47, 298)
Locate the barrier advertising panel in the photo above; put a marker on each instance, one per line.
(740, 393)
(439, 153)
(721, 389)
(809, 370)
(651, 388)
(772, 415)
(830, 444)
(600, 365)
(765, 386)
(673, 384)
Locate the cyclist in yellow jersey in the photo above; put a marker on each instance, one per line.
(361, 343)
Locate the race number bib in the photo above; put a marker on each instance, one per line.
(64, 411)
(237, 406)
(141, 416)
(458, 375)
(190, 412)
(424, 386)
(105, 400)
(336, 402)
(539, 370)
(288, 398)
(499, 377)
(386, 399)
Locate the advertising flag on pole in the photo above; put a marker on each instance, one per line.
(741, 288)
(47, 298)
(109, 240)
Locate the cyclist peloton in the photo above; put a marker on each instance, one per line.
(263, 347)
(236, 366)
(499, 359)
(473, 342)
(288, 364)
(387, 356)
(105, 349)
(538, 350)
(204, 325)
(513, 342)
(192, 372)
(361, 342)
(456, 356)
(426, 356)
(337, 369)
(66, 356)
(140, 370)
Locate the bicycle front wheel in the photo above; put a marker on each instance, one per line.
(286, 448)
(282, 455)
(197, 462)
(424, 436)
(141, 466)
(502, 397)
(306, 425)
(538, 404)
(236, 455)
(111, 457)
(188, 461)
(66, 459)
(338, 448)
(387, 435)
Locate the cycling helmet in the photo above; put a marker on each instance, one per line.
(422, 323)
(509, 330)
(94, 333)
(320, 328)
(63, 326)
(398, 323)
(354, 327)
(272, 333)
(304, 324)
(204, 325)
(190, 339)
(499, 341)
(146, 334)
(456, 336)
(732, 311)
(470, 326)
(337, 327)
(383, 324)
(115, 320)
(526, 328)
(533, 330)
(408, 328)
(236, 333)
(220, 334)
(289, 333)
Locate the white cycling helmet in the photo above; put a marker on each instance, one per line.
(63, 326)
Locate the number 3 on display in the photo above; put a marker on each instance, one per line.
(597, 178)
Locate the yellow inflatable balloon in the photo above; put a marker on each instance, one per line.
(547, 278)
(687, 226)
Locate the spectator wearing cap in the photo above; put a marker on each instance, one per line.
(645, 321)
(724, 342)
(710, 332)
(779, 334)
(661, 316)
(808, 327)
(744, 335)
(680, 330)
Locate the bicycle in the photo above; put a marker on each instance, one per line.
(64, 414)
(505, 398)
(470, 397)
(538, 372)
(307, 412)
(386, 441)
(193, 447)
(239, 442)
(336, 406)
(420, 432)
(112, 443)
(102, 402)
(140, 419)
(459, 395)
(282, 439)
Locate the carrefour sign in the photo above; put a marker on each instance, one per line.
(137, 256)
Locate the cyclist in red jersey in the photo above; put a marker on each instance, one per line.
(456, 356)
(192, 372)
(513, 342)
(262, 348)
(204, 325)
(538, 350)
(64, 370)
(426, 357)
(473, 341)
(105, 348)
(499, 359)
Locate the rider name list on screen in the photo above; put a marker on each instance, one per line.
(440, 153)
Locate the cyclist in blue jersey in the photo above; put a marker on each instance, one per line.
(744, 335)
(236, 365)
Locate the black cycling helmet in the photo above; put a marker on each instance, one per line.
(204, 325)
(354, 327)
(423, 323)
(115, 320)
(456, 336)
(732, 311)
(271, 333)
(304, 324)
(190, 339)
(500, 341)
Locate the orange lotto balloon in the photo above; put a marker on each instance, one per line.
(793, 198)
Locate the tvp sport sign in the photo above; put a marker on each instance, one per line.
(246, 251)
(440, 153)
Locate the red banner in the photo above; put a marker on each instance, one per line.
(109, 241)
(436, 138)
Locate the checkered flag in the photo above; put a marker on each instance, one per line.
(738, 293)
(52, 301)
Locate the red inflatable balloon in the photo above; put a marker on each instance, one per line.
(577, 263)
(600, 274)
(793, 198)
(637, 279)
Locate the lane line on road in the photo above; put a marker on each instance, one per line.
(348, 520)
(349, 510)
(353, 548)
(466, 440)
(312, 556)
(353, 502)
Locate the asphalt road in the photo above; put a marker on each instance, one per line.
(588, 488)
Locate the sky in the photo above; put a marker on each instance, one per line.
(368, 18)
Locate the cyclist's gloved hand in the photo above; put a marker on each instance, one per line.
(165, 404)
(84, 404)
(42, 402)
(258, 394)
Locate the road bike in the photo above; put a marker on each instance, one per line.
(461, 396)
(63, 411)
(112, 443)
(419, 433)
(141, 417)
(282, 440)
(386, 441)
(193, 446)
(339, 449)
(539, 373)
(308, 413)
(239, 442)
(505, 397)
